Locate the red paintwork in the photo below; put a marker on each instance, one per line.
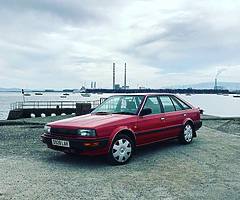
(108, 126)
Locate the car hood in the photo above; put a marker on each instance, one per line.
(90, 121)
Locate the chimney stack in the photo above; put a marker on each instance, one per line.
(125, 76)
(114, 76)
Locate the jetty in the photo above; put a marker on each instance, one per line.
(29, 109)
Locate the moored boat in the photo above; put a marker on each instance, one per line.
(86, 94)
(38, 93)
(236, 96)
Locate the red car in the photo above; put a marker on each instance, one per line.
(122, 123)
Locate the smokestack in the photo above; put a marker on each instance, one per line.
(215, 84)
(125, 76)
(113, 75)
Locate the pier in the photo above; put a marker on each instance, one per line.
(29, 109)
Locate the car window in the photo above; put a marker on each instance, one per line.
(120, 104)
(138, 100)
(177, 105)
(167, 104)
(128, 104)
(110, 104)
(184, 105)
(153, 103)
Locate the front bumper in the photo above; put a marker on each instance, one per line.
(78, 146)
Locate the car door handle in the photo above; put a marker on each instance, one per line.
(162, 118)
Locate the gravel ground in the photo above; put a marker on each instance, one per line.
(209, 168)
(227, 126)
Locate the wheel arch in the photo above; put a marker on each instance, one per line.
(124, 131)
(190, 121)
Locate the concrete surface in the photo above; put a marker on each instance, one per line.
(209, 168)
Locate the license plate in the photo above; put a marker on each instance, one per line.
(61, 143)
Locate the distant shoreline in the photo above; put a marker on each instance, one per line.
(146, 90)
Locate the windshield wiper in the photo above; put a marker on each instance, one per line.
(124, 113)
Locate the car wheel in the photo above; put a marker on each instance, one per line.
(186, 136)
(121, 150)
(69, 153)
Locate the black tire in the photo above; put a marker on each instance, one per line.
(121, 150)
(187, 134)
(69, 153)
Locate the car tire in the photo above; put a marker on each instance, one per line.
(121, 150)
(69, 153)
(186, 136)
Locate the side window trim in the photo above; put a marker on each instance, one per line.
(160, 103)
(141, 105)
(172, 103)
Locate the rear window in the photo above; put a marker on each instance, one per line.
(177, 105)
(167, 104)
(181, 103)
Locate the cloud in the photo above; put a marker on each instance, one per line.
(59, 44)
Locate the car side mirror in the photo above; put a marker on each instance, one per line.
(146, 111)
(200, 110)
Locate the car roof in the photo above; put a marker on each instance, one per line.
(142, 94)
(152, 94)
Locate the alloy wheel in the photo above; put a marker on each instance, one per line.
(188, 133)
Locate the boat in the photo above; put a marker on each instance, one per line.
(76, 91)
(66, 94)
(38, 93)
(236, 96)
(63, 96)
(27, 95)
(86, 94)
(82, 90)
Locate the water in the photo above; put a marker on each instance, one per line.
(217, 105)
(6, 98)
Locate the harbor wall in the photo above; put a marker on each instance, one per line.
(80, 109)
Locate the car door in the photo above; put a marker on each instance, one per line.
(174, 117)
(148, 126)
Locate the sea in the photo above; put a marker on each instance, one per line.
(212, 104)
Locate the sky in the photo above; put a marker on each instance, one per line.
(69, 43)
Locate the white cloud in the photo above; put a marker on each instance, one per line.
(61, 44)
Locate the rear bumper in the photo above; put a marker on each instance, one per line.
(78, 146)
(197, 125)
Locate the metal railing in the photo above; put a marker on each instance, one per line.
(52, 104)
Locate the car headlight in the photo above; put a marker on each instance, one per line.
(47, 129)
(86, 132)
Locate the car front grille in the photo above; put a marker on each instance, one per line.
(63, 131)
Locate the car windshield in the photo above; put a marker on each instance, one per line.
(120, 105)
